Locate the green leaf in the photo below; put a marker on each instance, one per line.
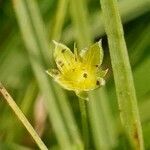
(122, 73)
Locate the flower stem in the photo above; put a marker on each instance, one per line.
(22, 117)
(122, 73)
(84, 119)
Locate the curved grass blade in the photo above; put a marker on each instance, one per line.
(22, 117)
(122, 73)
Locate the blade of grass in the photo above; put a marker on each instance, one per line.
(144, 109)
(46, 87)
(122, 73)
(12, 146)
(56, 33)
(98, 125)
(29, 97)
(69, 118)
(142, 78)
(102, 122)
(22, 117)
(129, 10)
(59, 19)
(108, 122)
(39, 30)
(26, 106)
(141, 43)
(62, 99)
(80, 23)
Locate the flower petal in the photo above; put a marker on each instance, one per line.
(63, 56)
(59, 78)
(69, 85)
(93, 55)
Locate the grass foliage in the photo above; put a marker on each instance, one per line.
(108, 120)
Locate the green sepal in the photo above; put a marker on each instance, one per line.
(53, 72)
(82, 95)
(101, 73)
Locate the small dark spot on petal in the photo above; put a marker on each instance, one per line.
(60, 63)
(63, 50)
(96, 66)
(85, 75)
(97, 82)
(73, 69)
(55, 72)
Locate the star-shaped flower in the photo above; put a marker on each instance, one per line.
(79, 72)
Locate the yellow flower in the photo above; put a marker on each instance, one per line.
(79, 72)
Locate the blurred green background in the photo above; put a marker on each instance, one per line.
(27, 28)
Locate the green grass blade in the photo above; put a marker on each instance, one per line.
(69, 118)
(22, 117)
(29, 97)
(142, 42)
(34, 50)
(129, 10)
(97, 121)
(80, 23)
(56, 33)
(108, 118)
(62, 98)
(38, 29)
(142, 78)
(59, 19)
(26, 106)
(122, 73)
(12, 146)
(102, 122)
(144, 109)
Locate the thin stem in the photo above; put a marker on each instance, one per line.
(22, 117)
(122, 73)
(84, 119)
